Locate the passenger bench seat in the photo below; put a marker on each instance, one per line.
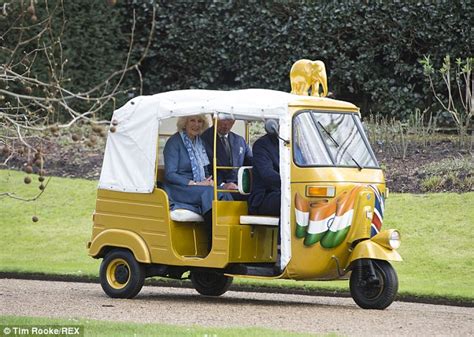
(259, 220)
(184, 215)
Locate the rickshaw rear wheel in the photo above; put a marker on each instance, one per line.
(121, 276)
(374, 294)
(210, 283)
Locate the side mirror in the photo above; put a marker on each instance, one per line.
(271, 127)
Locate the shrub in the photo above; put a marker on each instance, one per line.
(432, 183)
(371, 49)
(451, 174)
(462, 165)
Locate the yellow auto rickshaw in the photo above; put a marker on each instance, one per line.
(332, 202)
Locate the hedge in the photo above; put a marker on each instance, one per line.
(371, 48)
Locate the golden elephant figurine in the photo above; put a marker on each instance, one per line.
(305, 74)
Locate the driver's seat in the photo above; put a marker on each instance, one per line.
(244, 182)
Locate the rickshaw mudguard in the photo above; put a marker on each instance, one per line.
(369, 249)
(123, 239)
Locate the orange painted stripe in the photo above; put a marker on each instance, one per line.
(322, 211)
(346, 202)
(301, 203)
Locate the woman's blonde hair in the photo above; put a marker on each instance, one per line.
(206, 122)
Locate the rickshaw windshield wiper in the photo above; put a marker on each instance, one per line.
(337, 145)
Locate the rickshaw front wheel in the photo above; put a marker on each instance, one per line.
(210, 283)
(121, 276)
(371, 292)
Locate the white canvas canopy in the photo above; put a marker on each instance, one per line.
(130, 153)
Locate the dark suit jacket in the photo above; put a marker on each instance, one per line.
(266, 170)
(241, 154)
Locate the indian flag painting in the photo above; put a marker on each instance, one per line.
(339, 228)
(323, 221)
(302, 215)
(329, 222)
(321, 217)
(377, 218)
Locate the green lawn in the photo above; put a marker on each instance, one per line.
(57, 242)
(436, 236)
(91, 328)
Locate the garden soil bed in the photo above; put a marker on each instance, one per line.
(76, 160)
(406, 174)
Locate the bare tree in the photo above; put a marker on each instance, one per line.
(458, 100)
(32, 107)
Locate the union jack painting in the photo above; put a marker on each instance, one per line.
(377, 218)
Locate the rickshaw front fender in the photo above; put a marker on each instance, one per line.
(120, 238)
(369, 249)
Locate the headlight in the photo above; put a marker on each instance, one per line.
(389, 238)
(394, 240)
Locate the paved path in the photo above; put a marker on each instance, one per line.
(180, 306)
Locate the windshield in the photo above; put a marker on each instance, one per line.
(330, 139)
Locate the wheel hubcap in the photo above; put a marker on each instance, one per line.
(118, 273)
(372, 288)
(121, 274)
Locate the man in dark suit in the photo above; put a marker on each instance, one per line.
(265, 196)
(231, 150)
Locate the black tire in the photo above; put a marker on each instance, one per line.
(378, 295)
(210, 283)
(121, 276)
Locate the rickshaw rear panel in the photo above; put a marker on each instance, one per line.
(181, 243)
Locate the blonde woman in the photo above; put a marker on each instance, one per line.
(187, 179)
